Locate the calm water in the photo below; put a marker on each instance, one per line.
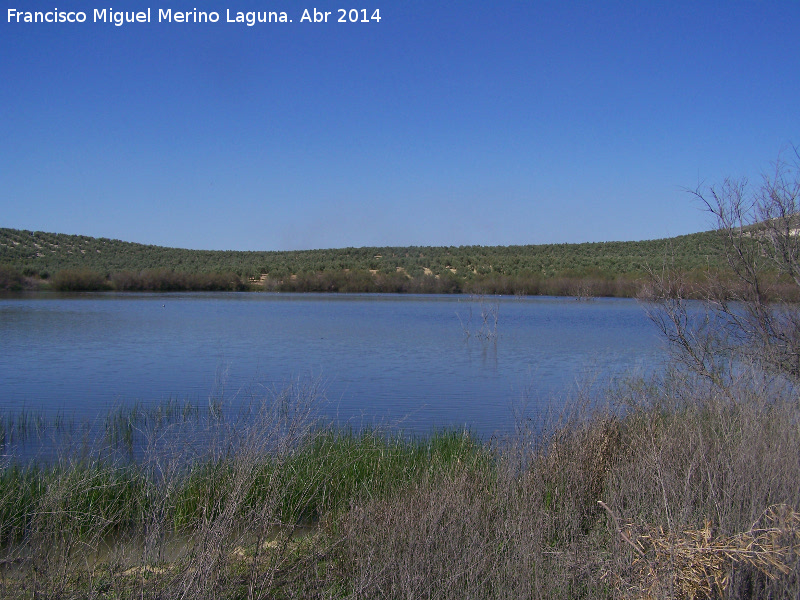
(382, 359)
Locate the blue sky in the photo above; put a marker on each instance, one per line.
(446, 123)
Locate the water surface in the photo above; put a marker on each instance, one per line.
(416, 361)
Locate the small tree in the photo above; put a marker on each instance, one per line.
(749, 310)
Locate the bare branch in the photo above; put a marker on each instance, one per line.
(752, 312)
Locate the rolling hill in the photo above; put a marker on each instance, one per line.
(492, 269)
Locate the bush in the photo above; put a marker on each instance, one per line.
(81, 280)
(749, 312)
(163, 280)
(10, 278)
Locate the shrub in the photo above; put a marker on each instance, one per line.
(10, 278)
(749, 312)
(81, 280)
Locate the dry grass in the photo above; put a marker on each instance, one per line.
(698, 563)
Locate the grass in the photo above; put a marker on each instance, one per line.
(25, 432)
(676, 491)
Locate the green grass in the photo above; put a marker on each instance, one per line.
(79, 499)
(321, 476)
(370, 466)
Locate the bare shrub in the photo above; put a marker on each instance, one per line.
(525, 526)
(434, 541)
(488, 317)
(698, 459)
(713, 447)
(228, 504)
(750, 311)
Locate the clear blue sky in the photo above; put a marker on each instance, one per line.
(446, 123)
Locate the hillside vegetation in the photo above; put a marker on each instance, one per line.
(604, 268)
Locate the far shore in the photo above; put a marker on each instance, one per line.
(693, 285)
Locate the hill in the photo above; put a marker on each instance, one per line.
(490, 269)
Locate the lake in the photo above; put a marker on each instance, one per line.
(412, 362)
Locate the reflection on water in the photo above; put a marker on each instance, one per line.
(420, 362)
